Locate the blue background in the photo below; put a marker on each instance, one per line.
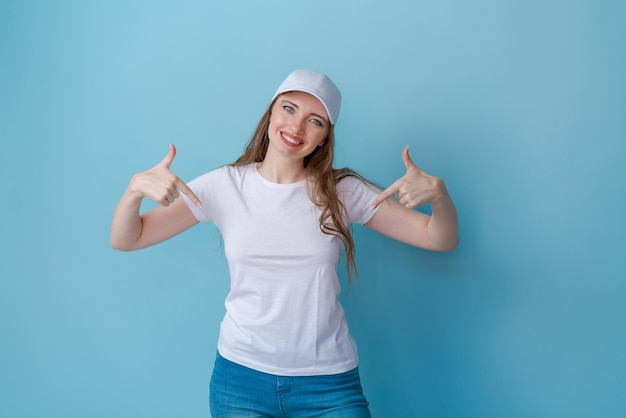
(519, 106)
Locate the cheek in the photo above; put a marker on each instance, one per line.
(275, 119)
(274, 124)
(322, 137)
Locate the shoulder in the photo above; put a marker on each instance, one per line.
(235, 170)
(356, 195)
(225, 172)
(355, 192)
(348, 180)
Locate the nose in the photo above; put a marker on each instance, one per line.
(298, 125)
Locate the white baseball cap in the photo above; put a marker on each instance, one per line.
(316, 84)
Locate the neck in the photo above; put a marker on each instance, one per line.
(281, 171)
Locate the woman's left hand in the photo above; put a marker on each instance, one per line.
(397, 220)
(415, 188)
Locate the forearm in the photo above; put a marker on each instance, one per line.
(442, 228)
(126, 226)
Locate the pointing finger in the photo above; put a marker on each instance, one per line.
(188, 192)
(388, 192)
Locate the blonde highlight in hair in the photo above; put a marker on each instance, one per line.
(324, 179)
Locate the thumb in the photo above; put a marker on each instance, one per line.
(408, 162)
(167, 161)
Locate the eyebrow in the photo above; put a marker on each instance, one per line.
(314, 114)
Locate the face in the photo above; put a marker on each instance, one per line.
(298, 125)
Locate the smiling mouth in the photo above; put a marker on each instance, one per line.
(290, 140)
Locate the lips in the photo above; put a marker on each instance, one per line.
(290, 140)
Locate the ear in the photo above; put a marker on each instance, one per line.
(324, 141)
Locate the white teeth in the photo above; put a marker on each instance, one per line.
(290, 140)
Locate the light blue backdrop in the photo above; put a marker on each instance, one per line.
(519, 106)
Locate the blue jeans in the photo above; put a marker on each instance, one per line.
(238, 391)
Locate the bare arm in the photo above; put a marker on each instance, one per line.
(399, 220)
(132, 231)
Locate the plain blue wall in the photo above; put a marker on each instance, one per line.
(519, 106)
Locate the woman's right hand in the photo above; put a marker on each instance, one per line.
(160, 185)
(132, 231)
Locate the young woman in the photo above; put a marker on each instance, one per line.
(284, 212)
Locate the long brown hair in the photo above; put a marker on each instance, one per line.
(323, 193)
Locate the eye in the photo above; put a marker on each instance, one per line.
(317, 122)
(288, 108)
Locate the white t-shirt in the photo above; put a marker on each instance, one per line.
(282, 312)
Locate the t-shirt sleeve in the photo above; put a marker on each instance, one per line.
(357, 197)
(206, 187)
